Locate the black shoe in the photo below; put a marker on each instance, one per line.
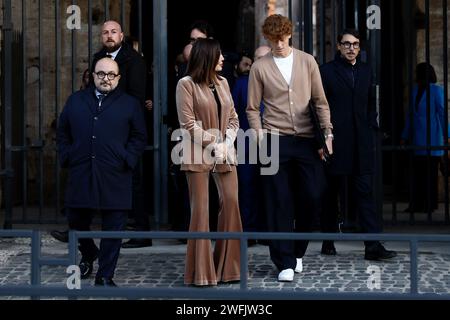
(104, 282)
(62, 236)
(137, 243)
(86, 266)
(378, 252)
(328, 248)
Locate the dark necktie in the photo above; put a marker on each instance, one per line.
(100, 100)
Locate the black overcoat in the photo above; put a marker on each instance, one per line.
(353, 116)
(100, 148)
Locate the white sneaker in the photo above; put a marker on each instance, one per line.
(299, 266)
(286, 275)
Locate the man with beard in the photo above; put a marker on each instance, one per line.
(131, 64)
(101, 135)
(132, 81)
(347, 82)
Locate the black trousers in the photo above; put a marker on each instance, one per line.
(360, 203)
(292, 197)
(138, 211)
(422, 184)
(80, 219)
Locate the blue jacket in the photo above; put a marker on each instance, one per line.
(100, 149)
(418, 130)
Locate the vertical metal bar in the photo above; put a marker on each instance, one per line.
(445, 45)
(107, 16)
(35, 259)
(290, 9)
(122, 15)
(301, 26)
(333, 26)
(393, 110)
(308, 13)
(160, 95)
(140, 24)
(428, 101)
(74, 56)
(41, 111)
(90, 55)
(24, 101)
(344, 14)
(323, 54)
(375, 58)
(413, 266)
(7, 100)
(411, 46)
(244, 263)
(356, 16)
(57, 99)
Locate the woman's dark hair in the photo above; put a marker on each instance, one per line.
(421, 73)
(203, 60)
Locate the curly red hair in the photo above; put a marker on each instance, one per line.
(276, 27)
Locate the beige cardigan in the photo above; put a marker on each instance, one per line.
(197, 113)
(286, 106)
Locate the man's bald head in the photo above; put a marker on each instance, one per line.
(112, 35)
(105, 69)
(261, 52)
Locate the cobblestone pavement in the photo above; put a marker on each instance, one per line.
(163, 265)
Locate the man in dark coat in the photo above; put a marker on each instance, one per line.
(347, 84)
(133, 81)
(101, 135)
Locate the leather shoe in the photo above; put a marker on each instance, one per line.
(137, 243)
(378, 252)
(62, 236)
(328, 248)
(86, 266)
(104, 282)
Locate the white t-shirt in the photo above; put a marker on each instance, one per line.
(285, 66)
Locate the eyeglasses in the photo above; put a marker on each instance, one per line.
(101, 75)
(348, 44)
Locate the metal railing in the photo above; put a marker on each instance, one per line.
(36, 290)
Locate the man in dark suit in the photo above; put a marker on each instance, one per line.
(347, 84)
(132, 81)
(101, 135)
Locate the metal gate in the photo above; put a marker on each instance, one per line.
(33, 88)
(62, 35)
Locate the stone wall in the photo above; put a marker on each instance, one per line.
(42, 107)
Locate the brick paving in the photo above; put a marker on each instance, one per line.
(162, 266)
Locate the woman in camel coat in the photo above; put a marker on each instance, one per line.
(207, 116)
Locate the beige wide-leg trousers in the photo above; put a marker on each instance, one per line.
(202, 266)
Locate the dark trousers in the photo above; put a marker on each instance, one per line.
(359, 202)
(422, 184)
(179, 207)
(293, 196)
(80, 219)
(138, 212)
(248, 176)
